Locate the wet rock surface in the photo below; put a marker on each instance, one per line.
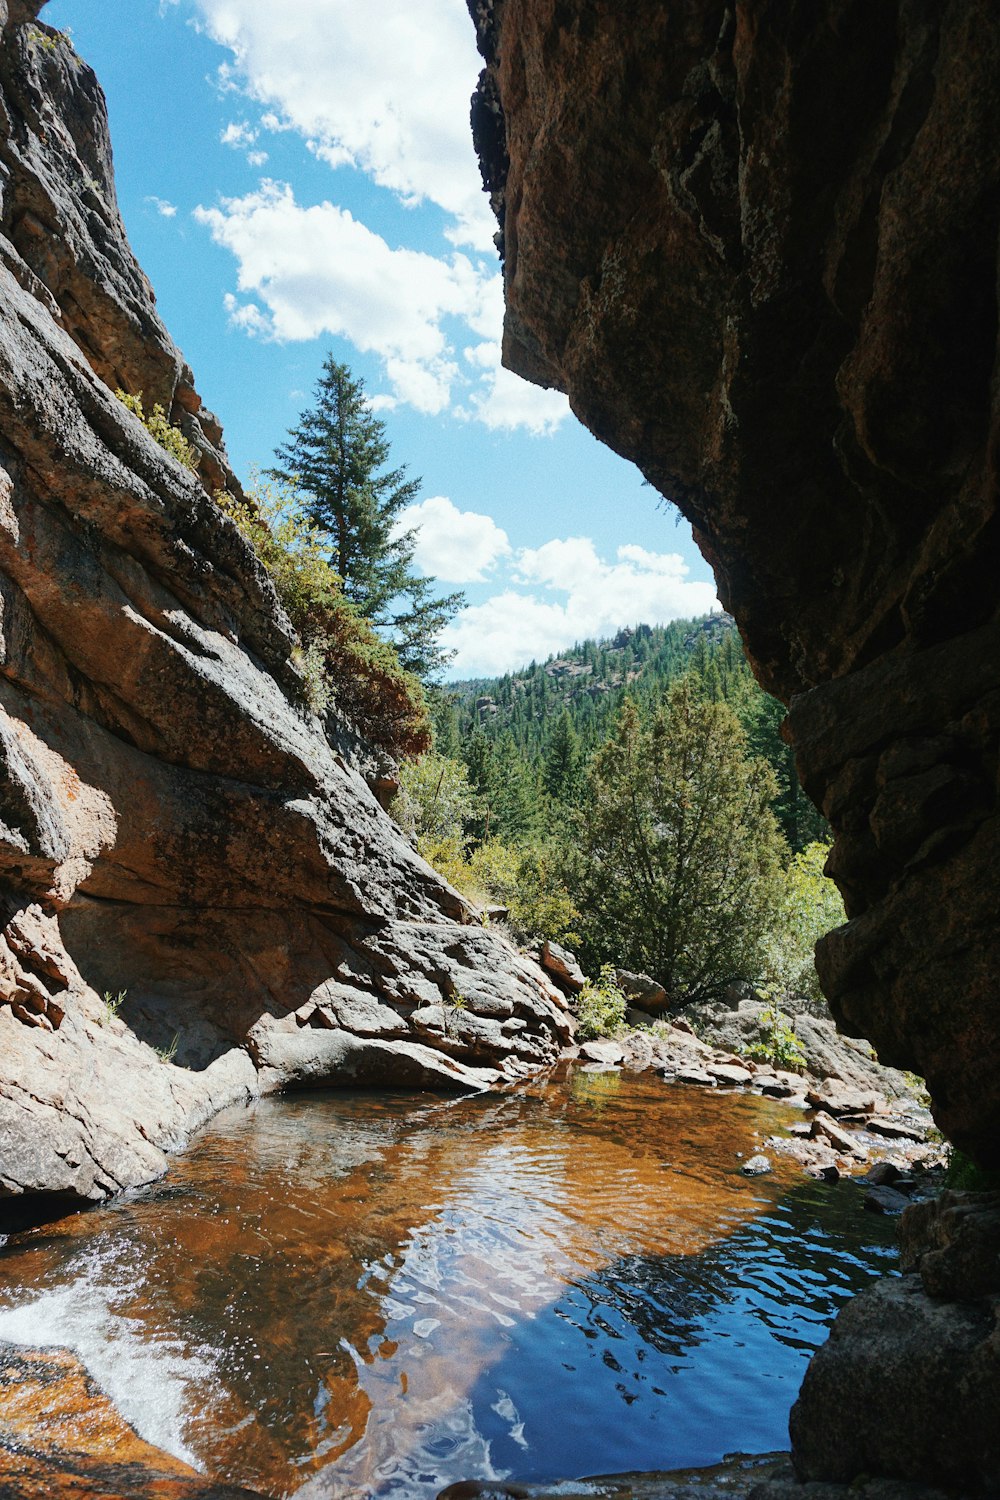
(760, 256)
(200, 895)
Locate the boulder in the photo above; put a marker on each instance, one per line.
(607, 1052)
(954, 1243)
(906, 1387)
(643, 993)
(561, 964)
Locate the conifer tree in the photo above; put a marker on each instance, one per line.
(680, 856)
(337, 456)
(561, 767)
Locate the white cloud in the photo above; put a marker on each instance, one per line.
(242, 136)
(308, 271)
(503, 401)
(319, 270)
(456, 546)
(165, 209)
(385, 88)
(516, 626)
(238, 134)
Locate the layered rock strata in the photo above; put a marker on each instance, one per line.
(201, 897)
(757, 247)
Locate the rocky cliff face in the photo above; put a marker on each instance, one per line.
(757, 247)
(175, 826)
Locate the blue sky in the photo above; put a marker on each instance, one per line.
(299, 179)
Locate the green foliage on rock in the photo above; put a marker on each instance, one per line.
(435, 801)
(600, 1006)
(679, 857)
(158, 425)
(528, 881)
(777, 1043)
(343, 660)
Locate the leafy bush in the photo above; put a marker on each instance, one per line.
(808, 906)
(601, 1006)
(527, 881)
(777, 1043)
(156, 423)
(342, 658)
(435, 803)
(965, 1175)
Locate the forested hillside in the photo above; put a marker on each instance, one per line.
(528, 736)
(591, 680)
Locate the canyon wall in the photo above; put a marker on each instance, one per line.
(756, 245)
(200, 897)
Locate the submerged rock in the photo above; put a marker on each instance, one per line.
(60, 1435)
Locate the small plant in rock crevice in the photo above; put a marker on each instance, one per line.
(157, 424)
(168, 1053)
(777, 1043)
(112, 1004)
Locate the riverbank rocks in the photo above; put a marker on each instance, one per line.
(200, 895)
(562, 966)
(907, 1386)
(642, 993)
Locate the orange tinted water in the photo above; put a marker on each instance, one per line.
(377, 1295)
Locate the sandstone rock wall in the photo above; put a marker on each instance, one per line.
(756, 244)
(176, 827)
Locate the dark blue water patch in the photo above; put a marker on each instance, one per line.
(664, 1362)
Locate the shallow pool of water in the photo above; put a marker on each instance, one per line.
(351, 1293)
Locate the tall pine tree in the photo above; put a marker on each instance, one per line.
(338, 456)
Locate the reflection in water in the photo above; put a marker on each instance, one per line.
(380, 1295)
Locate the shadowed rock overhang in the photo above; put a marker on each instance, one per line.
(756, 245)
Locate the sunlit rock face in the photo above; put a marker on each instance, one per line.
(757, 247)
(200, 897)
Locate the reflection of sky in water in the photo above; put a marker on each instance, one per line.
(387, 1295)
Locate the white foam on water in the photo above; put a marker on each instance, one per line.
(152, 1383)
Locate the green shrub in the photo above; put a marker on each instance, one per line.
(342, 658)
(965, 1175)
(435, 802)
(170, 438)
(601, 1006)
(777, 1043)
(809, 905)
(527, 881)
